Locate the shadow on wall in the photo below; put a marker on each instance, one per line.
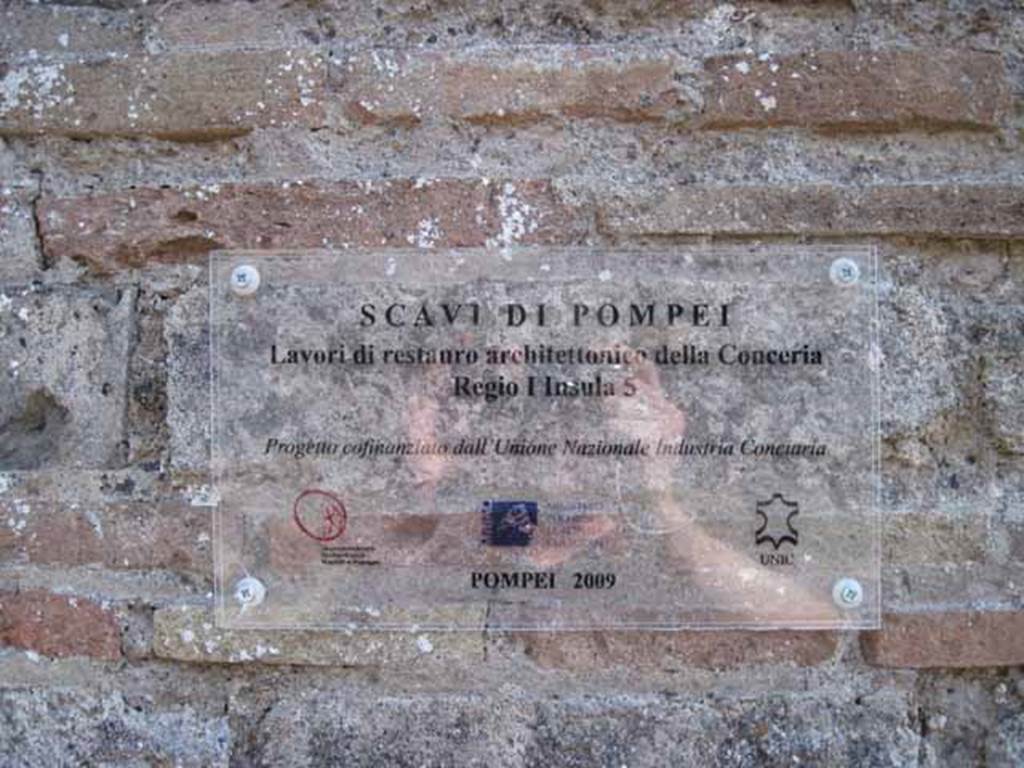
(31, 437)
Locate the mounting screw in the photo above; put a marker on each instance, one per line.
(844, 272)
(848, 593)
(245, 279)
(249, 592)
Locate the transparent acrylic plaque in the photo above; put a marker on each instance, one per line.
(546, 439)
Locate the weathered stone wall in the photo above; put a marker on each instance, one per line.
(137, 136)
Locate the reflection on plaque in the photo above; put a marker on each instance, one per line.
(546, 439)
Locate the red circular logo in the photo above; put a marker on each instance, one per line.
(320, 515)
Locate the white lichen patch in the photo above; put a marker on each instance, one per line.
(717, 24)
(306, 82)
(18, 519)
(201, 496)
(423, 644)
(35, 88)
(427, 233)
(385, 65)
(94, 522)
(258, 652)
(516, 218)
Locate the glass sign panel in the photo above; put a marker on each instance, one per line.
(546, 438)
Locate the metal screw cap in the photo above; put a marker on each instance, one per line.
(249, 592)
(848, 593)
(844, 272)
(245, 280)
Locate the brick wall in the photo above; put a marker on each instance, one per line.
(135, 138)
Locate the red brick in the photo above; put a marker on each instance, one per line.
(598, 650)
(58, 625)
(232, 24)
(947, 639)
(391, 87)
(858, 90)
(191, 96)
(982, 211)
(28, 30)
(130, 229)
(137, 536)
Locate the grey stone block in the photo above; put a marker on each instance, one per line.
(187, 334)
(189, 633)
(830, 729)
(72, 727)
(63, 388)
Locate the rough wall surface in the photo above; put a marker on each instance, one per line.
(135, 137)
